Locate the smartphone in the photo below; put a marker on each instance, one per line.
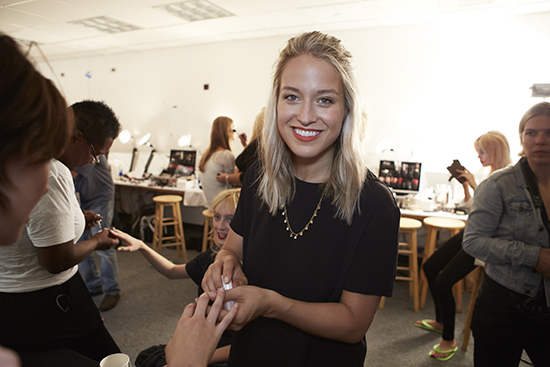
(453, 168)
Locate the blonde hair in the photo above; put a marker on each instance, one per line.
(258, 125)
(495, 144)
(225, 199)
(540, 109)
(348, 169)
(219, 138)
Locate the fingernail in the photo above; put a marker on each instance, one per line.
(226, 280)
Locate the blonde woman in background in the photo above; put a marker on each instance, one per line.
(223, 206)
(217, 159)
(450, 263)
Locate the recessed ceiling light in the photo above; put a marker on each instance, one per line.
(474, 2)
(195, 10)
(106, 24)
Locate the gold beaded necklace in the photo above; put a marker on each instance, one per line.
(301, 233)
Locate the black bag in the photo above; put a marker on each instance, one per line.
(152, 357)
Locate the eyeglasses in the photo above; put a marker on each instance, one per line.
(95, 159)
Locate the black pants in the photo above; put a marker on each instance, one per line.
(63, 316)
(443, 269)
(503, 327)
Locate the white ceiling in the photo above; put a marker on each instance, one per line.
(46, 21)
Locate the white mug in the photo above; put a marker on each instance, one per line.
(116, 360)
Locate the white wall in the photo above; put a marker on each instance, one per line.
(434, 87)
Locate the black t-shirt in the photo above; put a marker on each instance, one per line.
(247, 157)
(330, 257)
(198, 266)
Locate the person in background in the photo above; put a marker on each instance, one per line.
(217, 159)
(450, 263)
(509, 230)
(44, 301)
(247, 157)
(223, 207)
(313, 243)
(96, 191)
(35, 126)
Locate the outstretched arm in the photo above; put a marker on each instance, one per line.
(159, 262)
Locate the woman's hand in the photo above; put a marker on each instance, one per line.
(226, 265)
(105, 240)
(543, 263)
(253, 302)
(468, 176)
(222, 178)
(198, 332)
(128, 242)
(243, 138)
(91, 219)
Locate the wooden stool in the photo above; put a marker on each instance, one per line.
(207, 235)
(479, 272)
(434, 224)
(161, 222)
(409, 227)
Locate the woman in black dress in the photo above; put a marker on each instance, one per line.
(313, 243)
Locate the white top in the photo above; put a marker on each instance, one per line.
(223, 161)
(56, 219)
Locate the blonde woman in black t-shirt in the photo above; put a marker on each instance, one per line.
(313, 243)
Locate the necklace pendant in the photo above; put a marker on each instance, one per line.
(293, 234)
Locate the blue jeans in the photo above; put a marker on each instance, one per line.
(108, 280)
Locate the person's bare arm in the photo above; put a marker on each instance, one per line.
(159, 262)
(347, 320)
(61, 257)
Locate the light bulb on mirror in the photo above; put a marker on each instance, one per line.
(184, 140)
(145, 140)
(124, 136)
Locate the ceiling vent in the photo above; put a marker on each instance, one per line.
(474, 2)
(106, 24)
(195, 10)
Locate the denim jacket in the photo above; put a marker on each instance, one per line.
(506, 231)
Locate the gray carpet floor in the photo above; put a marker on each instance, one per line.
(151, 305)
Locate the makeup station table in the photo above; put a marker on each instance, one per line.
(420, 214)
(135, 199)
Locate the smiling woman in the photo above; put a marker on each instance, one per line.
(313, 243)
(223, 207)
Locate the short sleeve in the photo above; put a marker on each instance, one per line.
(374, 266)
(226, 160)
(52, 222)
